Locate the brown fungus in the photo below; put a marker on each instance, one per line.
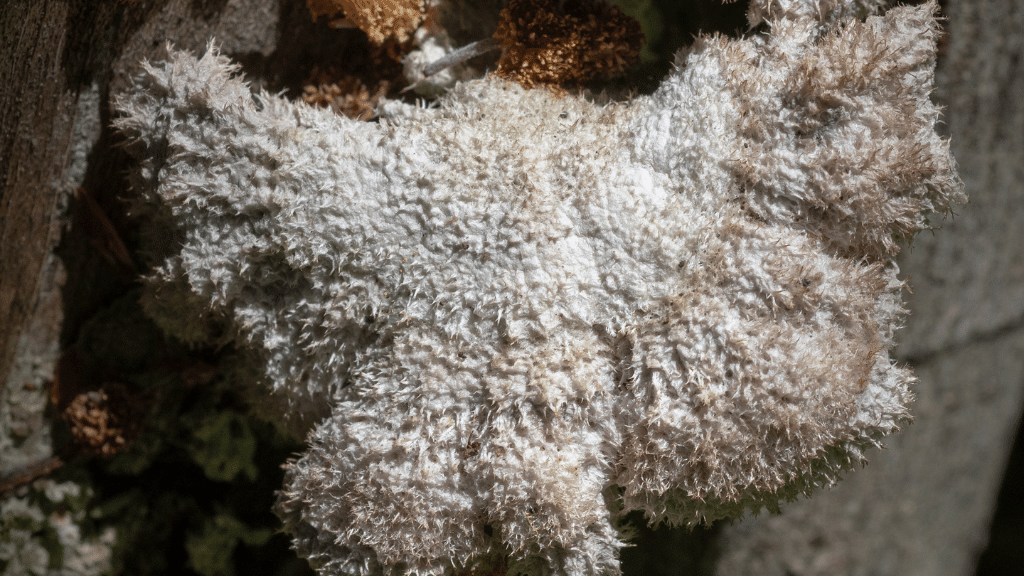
(544, 44)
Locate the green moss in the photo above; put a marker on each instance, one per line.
(210, 549)
(193, 495)
(224, 446)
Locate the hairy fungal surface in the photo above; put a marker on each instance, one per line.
(510, 318)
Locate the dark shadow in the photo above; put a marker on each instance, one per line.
(682, 21)
(665, 551)
(98, 32)
(206, 9)
(1004, 555)
(306, 46)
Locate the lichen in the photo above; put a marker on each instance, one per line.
(41, 533)
(210, 550)
(512, 317)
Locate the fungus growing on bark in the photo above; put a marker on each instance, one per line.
(512, 317)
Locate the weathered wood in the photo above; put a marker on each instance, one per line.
(37, 103)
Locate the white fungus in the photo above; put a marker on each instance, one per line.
(511, 317)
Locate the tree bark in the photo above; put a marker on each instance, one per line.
(37, 112)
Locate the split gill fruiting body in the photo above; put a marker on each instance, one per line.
(508, 318)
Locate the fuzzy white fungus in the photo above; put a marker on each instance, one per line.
(511, 317)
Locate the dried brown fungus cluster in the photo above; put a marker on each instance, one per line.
(345, 94)
(542, 44)
(105, 421)
(380, 19)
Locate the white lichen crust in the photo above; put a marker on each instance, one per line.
(513, 316)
